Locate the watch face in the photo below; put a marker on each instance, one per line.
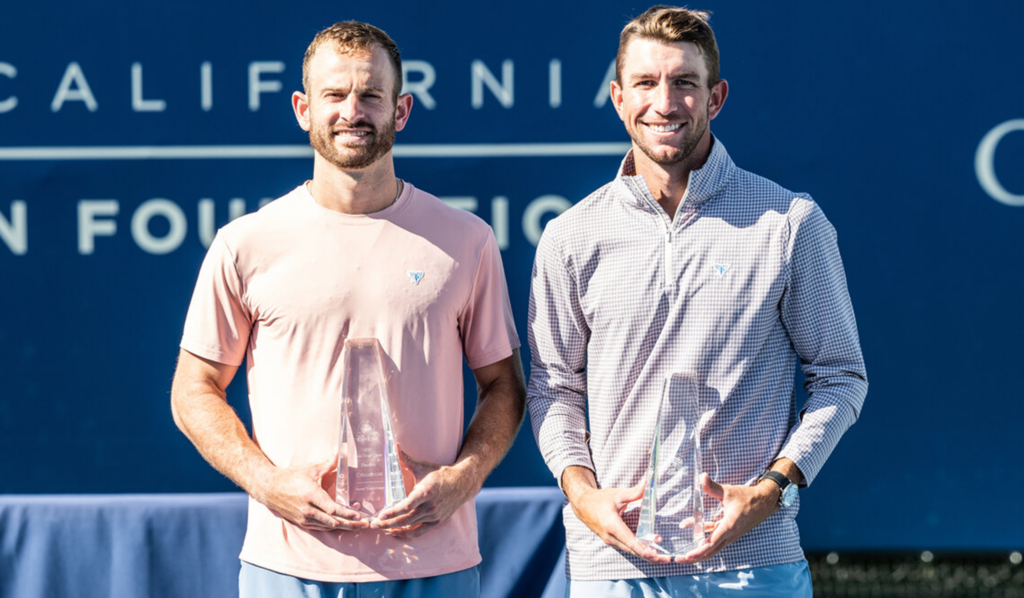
(789, 495)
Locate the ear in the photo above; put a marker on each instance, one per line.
(616, 92)
(300, 104)
(402, 110)
(719, 92)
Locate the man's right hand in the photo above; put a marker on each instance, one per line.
(601, 510)
(297, 495)
(200, 408)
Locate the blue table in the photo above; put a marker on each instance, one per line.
(186, 545)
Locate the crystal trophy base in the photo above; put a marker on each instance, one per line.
(369, 470)
(672, 508)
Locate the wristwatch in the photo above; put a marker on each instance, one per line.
(789, 490)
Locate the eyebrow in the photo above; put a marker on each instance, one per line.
(676, 75)
(330, 89)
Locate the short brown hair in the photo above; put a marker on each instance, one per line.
(350, 37)
(671, 24)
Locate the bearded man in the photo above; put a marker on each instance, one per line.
(353, 253)
(686, 265)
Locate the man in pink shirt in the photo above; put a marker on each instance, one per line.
(353, 253)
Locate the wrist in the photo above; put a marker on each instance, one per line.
(259, 483)
(788, 468)
(768, 489)
(261, 478)
(782, 488)
(577, 481)
(466, 473)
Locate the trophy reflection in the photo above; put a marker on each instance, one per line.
(672, 508)
(369, 471)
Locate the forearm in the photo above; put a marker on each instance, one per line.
(559, 335)
(825, 419)
(558, 414)
(499, 414)
(294, 493)
(202, 413)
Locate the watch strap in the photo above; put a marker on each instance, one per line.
(780, 479)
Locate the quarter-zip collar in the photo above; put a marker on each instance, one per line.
(703, 183)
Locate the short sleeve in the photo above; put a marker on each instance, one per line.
(218, 323)
(486, 323)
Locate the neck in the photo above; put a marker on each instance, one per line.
(667, 182)
(364, 191)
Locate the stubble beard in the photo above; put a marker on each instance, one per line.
(685, 150)
(357, 157)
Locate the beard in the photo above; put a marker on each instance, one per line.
(686, 147)
(357, 156)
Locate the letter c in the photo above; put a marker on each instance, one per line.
(984, 163)
(537, 209)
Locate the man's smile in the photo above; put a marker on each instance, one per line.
(352, 135)
(663, 128)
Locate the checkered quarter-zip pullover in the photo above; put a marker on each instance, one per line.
(742, 285)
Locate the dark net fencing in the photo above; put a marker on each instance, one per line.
(913, 574)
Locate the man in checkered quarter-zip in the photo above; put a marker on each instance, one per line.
(685, 263)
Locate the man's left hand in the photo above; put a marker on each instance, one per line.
(743, 508)
(438, 493)
(441, 490)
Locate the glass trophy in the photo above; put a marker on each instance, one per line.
(369, 471)
(672, 508)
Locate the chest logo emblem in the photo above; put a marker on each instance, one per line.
(721, 269)
(415, 275)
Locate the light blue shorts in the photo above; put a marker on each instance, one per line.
(792, 581)
(257, 582)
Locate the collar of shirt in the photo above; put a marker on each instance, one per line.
(704, 182)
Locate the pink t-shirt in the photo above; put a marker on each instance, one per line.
(285, 286)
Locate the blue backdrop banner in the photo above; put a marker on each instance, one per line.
(130, 133)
